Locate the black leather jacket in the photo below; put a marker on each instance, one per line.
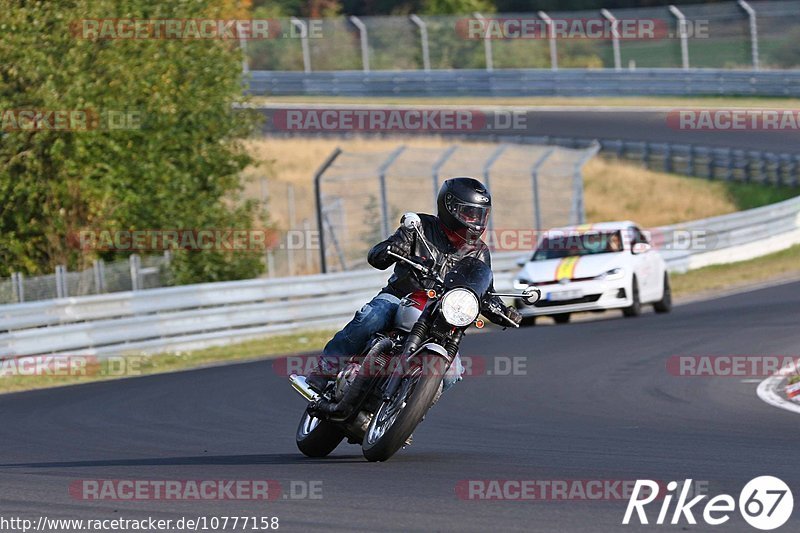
(403, 281)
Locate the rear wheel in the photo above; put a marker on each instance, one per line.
(528, 321)
(397, 418)
(562, 318)
(664, 305)
(635, 309)
(317, 438)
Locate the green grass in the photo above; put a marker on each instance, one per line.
(750, 195)
(718, 277)
(310, 341)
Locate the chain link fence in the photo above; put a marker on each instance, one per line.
(722, 35)
(363, 195)
(136, 273)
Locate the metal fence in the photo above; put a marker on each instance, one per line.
(740, 34)
(361, 196)
(196, 316)
(134, 274)
(529, 82)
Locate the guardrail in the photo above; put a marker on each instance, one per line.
(528, 82)
(196, 316)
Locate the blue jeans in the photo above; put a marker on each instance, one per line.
(376, 315)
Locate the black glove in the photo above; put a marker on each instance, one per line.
(401, 248)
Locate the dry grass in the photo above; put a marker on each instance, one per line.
(614, 189)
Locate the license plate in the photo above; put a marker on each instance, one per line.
(564, 295)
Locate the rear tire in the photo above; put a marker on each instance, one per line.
(635, 309)
(416, 406)
(317, 438)
(562, 318)
(664, 305)
(528, 321)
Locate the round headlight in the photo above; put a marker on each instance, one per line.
(460, 307)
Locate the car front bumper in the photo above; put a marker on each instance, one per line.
(594, 295)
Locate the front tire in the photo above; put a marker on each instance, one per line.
(635, 309)
(393, 424)
(317, 438)
(562, 318)
(664, 305)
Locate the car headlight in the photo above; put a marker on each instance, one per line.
(460, 307)
(614, 273)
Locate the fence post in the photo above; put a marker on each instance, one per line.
(423, 35)
(292, 223)
(683, 35)
(303, 42)
(537, 215)
(751, 15)
(134, 264)
(243, 46)
(98, 266)
(318, 197)
(551, 37)
(437, 166)
(487, 167)
(61, 281)
(17, 286)
(487, 42)
(614, 37)
(362, 32)
(579, 216)
(382, 184)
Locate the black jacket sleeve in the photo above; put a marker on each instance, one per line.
(401, 242)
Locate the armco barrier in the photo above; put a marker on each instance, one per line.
(196, 316)
(528, 82)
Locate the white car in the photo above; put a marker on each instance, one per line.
(594, 267)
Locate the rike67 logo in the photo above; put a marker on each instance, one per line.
(765, 503)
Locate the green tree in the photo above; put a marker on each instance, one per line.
(176, 165)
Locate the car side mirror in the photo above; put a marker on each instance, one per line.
(522, 261)
(531, 295)
(640, 248)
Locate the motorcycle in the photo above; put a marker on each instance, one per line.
(380, 396)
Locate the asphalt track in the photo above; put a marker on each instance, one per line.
(596, 402)
(605, 123)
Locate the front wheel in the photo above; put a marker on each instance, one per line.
(561, 318)
(635, 309)
(317, 438)
(664, 305)
(397, 418)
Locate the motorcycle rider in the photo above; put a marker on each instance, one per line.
(463, 208)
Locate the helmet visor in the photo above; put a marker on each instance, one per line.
(472, 216)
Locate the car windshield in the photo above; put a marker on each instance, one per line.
(577, 244)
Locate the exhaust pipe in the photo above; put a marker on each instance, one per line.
(299, 384)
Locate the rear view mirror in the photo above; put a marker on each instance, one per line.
(521, 261)
(531, 295)
(640, 248)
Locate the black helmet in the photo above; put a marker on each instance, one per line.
(463, 206)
